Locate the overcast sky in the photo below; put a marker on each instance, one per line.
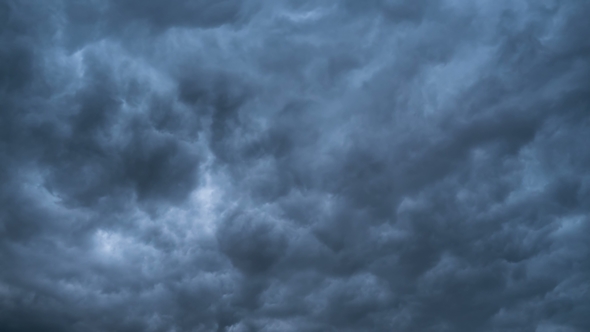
(295, 165)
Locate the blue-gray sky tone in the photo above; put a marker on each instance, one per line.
(295, 165)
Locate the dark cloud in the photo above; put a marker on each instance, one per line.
(94, 20)
(294, 166)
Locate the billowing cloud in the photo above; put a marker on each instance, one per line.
(346, 165)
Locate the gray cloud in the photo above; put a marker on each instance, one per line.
(294, 166)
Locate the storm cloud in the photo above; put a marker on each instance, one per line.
(293, 165)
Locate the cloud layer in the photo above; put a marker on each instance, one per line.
(382, 165)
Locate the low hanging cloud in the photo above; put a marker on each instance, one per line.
(382, 165)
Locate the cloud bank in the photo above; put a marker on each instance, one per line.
(381, 165)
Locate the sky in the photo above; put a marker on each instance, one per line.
(295, 165)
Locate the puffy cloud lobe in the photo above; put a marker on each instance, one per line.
(294, 166)
(252, 245)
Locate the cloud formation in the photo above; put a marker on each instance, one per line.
(382, 165)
